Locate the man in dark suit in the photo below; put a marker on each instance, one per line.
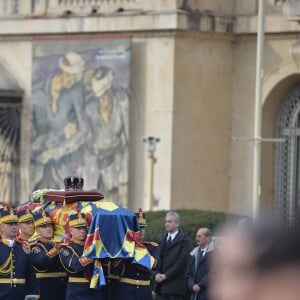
(170, 275)
(198, 272)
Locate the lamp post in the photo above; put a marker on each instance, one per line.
(150, 143)
(256, 188)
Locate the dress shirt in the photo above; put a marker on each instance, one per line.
(172, 235)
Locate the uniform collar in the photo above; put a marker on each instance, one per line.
(76, 241)
(45, 241)
(9, 243)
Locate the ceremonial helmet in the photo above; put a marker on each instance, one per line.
(24, 216)
(77, 220)
(41, 218)
(7, 215)
(141, 218)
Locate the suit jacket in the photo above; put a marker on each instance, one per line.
(173, 262)
(198, 273)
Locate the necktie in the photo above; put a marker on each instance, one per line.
(200, 254)
(169, 240)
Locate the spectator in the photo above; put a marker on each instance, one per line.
(170, 276)
(278, 266)
(234, 272)
(198, 273)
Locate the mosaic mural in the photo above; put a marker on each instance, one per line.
(80, 114)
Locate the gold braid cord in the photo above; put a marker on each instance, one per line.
(36, 268)
(7, 267)
(73, 254)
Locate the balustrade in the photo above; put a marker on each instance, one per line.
(21, 8)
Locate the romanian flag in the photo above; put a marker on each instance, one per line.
(114, 233)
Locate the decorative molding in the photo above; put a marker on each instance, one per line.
(195, 34)
(191, 34)
(269, 36)
(180, 33)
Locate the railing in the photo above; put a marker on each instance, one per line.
(92, 6)
(21, 8)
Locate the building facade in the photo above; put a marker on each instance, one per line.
(192, 84)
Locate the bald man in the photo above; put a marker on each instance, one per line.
(199, 265)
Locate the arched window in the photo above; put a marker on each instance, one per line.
(10, 131)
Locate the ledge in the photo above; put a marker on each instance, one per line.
(142, 21)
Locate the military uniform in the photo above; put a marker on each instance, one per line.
(112, 269)
(78, 267)
(134, 282)
(52, 278)
(17, 277)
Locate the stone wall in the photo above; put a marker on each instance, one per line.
(201, 122)
(280, 74)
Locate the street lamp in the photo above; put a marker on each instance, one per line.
(150, 143)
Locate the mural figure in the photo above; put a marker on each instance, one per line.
(80, 114)
(107, 147)
(60, 126)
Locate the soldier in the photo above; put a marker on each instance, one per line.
(78, 267)
(17, 278)
(151, 246)
(134, 284)
(25, 224)
(52, 278)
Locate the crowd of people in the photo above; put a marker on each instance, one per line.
(250, 262)
(32, 266)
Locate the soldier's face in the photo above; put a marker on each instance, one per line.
(79, 233)
(26, 228)
(143, 231)
(9, 230)
(45, 231)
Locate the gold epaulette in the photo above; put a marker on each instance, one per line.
(34, 241)
(84, 261)
(64, 244)
(52, 252)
